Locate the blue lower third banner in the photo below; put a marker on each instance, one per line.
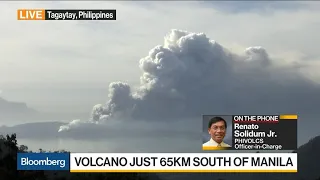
(43, 161)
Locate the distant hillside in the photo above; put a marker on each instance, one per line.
(18, 113)
(309, 159)
(308, 164)
(33, 130)
(13, 111)
(7, 107)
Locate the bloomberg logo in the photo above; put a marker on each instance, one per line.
(43, 161)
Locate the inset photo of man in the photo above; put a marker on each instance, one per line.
(215, 133)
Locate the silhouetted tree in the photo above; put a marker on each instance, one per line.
(23, 148)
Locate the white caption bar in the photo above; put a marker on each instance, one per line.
(183, 162)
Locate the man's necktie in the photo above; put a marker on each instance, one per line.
(219, 145)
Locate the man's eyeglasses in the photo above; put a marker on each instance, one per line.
(218, 127)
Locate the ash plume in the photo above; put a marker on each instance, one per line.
(191, 75)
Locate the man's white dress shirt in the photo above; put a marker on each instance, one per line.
(215, 144)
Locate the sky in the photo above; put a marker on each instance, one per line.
(160, 62)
